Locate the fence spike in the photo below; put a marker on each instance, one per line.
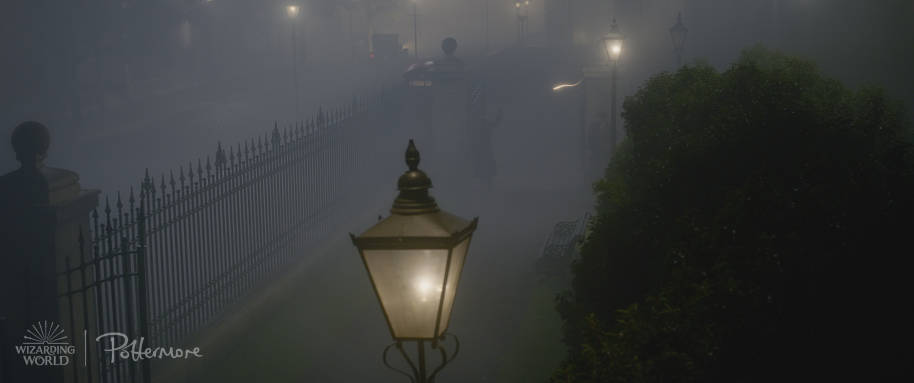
(232, 156)
(162, 187)
(276, 139)
(119, 205)
(181, 175)
(238, 150)
(147, 184)
(171, 176)
(199, 168)
(247, 150)
(208, 167)
(107, 205)
(190, 173)
(220, 156)
(131, 199)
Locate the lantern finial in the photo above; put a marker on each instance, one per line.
(412, 156)
(413, 186)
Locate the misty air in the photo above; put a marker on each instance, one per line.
(218, 191)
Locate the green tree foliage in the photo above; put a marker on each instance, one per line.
(753, 227)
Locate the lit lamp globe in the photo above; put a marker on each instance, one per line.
(414, 258)
(612, 43)
(292, 10)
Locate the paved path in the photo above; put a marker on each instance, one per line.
(320, 322)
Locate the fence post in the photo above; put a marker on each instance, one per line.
(141, 280)
(44, 209)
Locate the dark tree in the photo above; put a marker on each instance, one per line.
(754, 227)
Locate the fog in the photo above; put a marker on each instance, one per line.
(126, 86)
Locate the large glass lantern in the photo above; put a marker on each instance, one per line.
(415, 257)
(612, 43)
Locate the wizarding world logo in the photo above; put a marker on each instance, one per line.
(45, 345)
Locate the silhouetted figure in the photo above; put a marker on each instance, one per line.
(481, 131)
(27, 265)
(449, 62)
(26, 186)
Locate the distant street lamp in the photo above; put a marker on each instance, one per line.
(486, 22)
(678, 33)
(414, 259)
(522, 10)
(416, 28)
(292, 11)
(612, 43)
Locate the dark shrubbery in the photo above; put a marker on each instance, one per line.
(754, 227)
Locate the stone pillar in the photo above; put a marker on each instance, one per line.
(43, 210)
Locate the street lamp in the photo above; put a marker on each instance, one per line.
(293, 10)
(612, 43)
(416, 28)
(521, 9)
(678, 33)
(486, 26)
(414, 259)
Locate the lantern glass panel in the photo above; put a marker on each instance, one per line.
(458, 256)
(613, 46)
(409, 284)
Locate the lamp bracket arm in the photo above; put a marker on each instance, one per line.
(409, 361)
(445, 359)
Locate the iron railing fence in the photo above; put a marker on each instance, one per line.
(175, 254)
(217, 231)
(113, 278)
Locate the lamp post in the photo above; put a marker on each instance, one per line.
(521, 9)
(292, 11)
(612, 43)
(486, 22)
(416, 28)
(414, 259)
(678, 34)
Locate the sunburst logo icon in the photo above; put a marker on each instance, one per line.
(45, 333)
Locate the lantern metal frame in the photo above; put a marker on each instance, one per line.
(416, 243)
(613, 36)
(414, 200)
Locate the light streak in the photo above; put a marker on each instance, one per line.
(564, 85)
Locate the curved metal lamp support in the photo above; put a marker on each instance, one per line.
(444, 357)
(405, 356)
(418, 373)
